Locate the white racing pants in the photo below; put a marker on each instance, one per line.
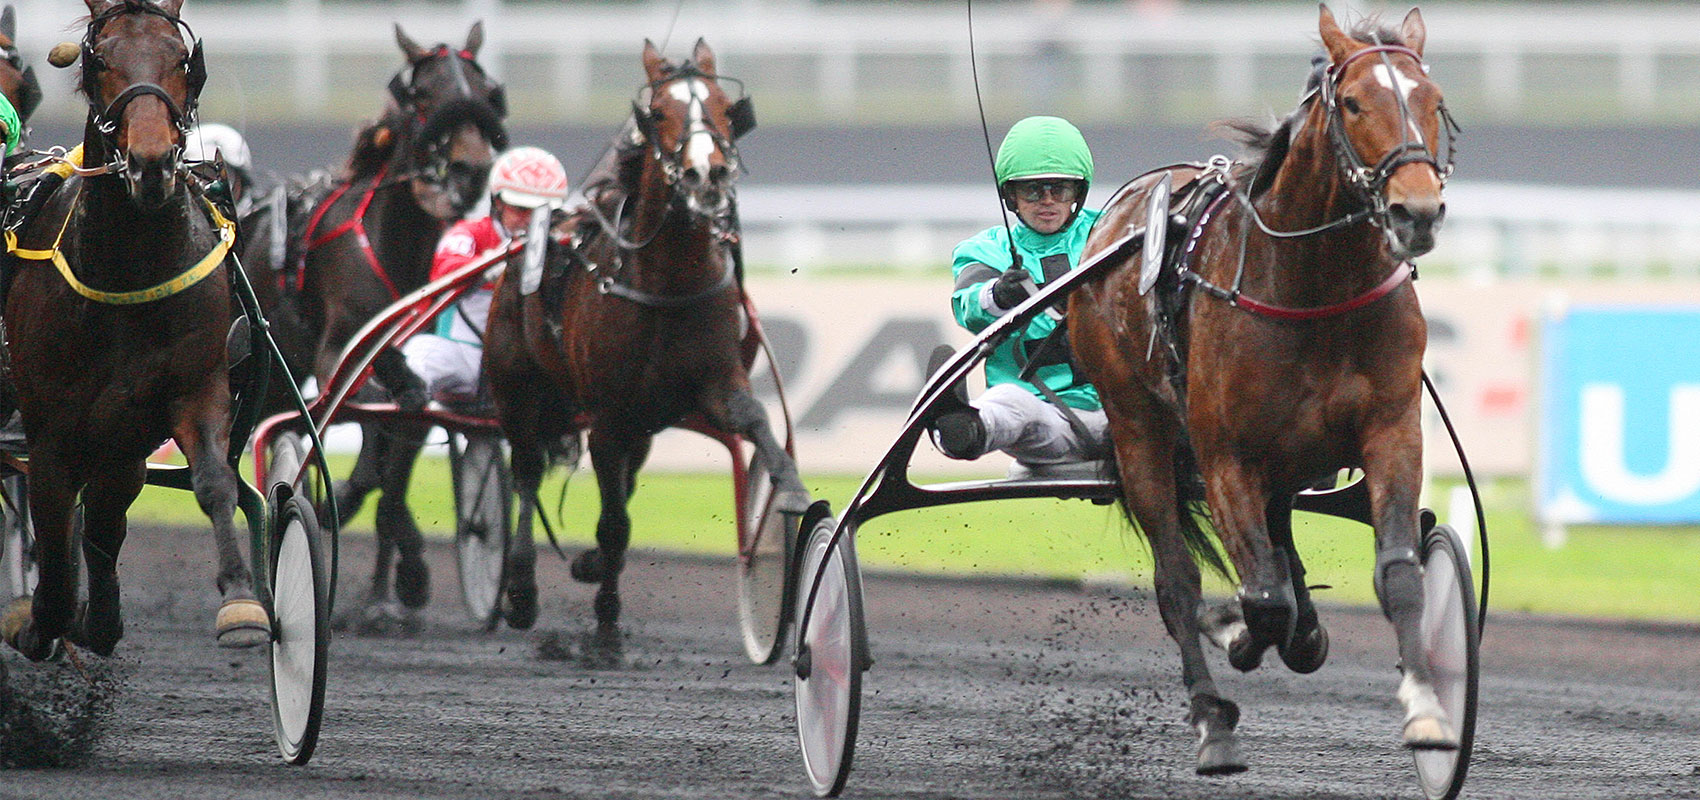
(1034, 431)
(449, 368)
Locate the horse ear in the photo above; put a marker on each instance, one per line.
(97, 6)
(475, 38)
(704, 58)
(172, 7)
(409, 48)
(9, 23)
(1338, 43)
(1414, 31)
(653, 64)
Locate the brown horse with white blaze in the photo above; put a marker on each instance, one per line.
(636, 325)
(1290, 347)
(119, 343)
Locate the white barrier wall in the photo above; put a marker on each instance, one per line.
(853, 351)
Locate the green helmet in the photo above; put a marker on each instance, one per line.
(1043, 147)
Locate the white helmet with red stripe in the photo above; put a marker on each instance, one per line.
(528, 177)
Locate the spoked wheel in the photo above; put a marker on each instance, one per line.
(17, 536)
(832, 652)
(764, 560)
(1452, 641)
(301, 632)
(483, 489)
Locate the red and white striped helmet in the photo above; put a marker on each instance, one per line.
(528, 177)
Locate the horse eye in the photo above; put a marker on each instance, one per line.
(1351, 104)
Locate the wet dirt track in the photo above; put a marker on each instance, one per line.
(980, 690)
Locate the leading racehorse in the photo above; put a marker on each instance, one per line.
(1286, 346)
(117, 318)
(635, 326)
(367, 240)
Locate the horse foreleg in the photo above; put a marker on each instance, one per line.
(1308, 648)
(366, 476)
(31, 624)
(742, 413)
(1238, 499)
(616, 458)
(395, 522)
(106, 503)
(1393, 466)
(205, 441)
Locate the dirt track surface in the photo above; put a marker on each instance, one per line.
(980, 690)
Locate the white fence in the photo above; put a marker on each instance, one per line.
(1491, 230)
(898, 60)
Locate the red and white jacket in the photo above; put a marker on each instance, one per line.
(465, 321)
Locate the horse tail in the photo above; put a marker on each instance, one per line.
(1192, 516)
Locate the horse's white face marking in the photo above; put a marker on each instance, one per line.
(1393, 80)
(699, 143)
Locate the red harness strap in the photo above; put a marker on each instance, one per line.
(1282, 312)
(355, 223)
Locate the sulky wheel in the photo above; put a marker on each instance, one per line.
(831, 655)
(17, 536)
(1452, 641)
(767, 542)
(300, 629)
(483, 490)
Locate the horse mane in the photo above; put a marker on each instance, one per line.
(1266, 143)
(374, 144)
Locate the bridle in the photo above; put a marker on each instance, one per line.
(740, 119)
(1371, 182)
(106, 120)
(486, 112)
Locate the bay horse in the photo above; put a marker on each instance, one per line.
(17, 82)
(116, 318)
(367, 238)
(636, 325)
(1295, 350)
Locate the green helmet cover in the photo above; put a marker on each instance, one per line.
(1043, 147)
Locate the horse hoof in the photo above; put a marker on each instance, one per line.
(17, 627)
(604, 648)
(587, 568)
(1430, 733)
(1244, 654)
(412, 581)
(98, 631)
(1220, 755)
(242, 623)
(1306, 653)
(519, 599)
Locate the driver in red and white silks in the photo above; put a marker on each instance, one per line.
(449, 359)
(1043, 170)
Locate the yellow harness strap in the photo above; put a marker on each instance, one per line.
(190, 277)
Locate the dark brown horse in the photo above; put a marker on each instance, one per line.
(634, 329)
(117, 340)
(367, 238)
(1290, 346)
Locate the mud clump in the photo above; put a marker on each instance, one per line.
(52, 714)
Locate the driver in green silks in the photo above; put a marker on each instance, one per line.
(1050, 414)
(14, 127)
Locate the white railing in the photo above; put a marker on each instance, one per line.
(1491, 230)
(856, 59)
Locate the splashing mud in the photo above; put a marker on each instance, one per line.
(52, 714)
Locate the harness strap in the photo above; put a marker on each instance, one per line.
(1282, 312)
(355, 223)
(184, 280)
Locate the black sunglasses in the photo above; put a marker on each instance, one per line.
(1035, 191)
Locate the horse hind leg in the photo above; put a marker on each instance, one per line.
(106, 502)
(395, 521)
(1306, 650)
(1267, 608)
(31, 624)
(744, 414)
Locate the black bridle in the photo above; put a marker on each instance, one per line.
(740, 119)
(106, 120)
(1371, 182)
(432, 126)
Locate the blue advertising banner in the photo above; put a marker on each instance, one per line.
(1620, 433)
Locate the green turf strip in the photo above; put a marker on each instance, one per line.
(1648, 573)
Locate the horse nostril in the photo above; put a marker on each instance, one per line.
(718, 173)
(693, 176)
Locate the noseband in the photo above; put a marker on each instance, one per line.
(740, 119)
(107, 120)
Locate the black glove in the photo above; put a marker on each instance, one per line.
(1010, 288)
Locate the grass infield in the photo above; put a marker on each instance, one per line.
(1642, 573)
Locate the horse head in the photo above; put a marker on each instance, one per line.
(143, 83)
(455, 111)
(17, 81)
(689, 126)
(1387, 120)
